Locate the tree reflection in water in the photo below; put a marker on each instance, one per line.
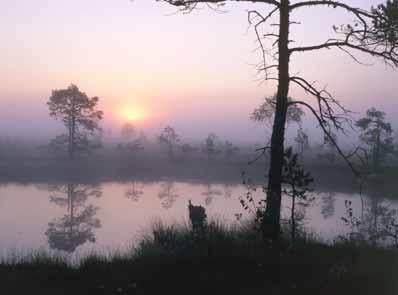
(210, 193)
(135, 191)
(167, 194)
(328, 204)
(77, 226)
(377, 224)
(378, 221)
(227, 191)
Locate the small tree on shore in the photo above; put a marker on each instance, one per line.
(128, 132)
(328, 148)
(210, 147)
(169, 139)
(132, 140)
(80, 116)
(302, 141)
(297, 185)
(376, 134)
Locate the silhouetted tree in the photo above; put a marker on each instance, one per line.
(170, 139)
(373, 32)
(210, 147)
(266, 111)
(77, 226)
(386, 21)
(302, 141)
(79, 114)
(132, 140)
(376, 133)
(328, 148)
(297, 185)
(128, 132)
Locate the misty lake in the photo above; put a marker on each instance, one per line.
(111, 216)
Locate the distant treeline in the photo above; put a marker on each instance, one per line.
(83, 151)
(116, 161)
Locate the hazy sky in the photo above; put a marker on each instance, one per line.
(194, 72)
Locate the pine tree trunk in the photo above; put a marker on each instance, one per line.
(376, 154)
(72, 136)
(271, 221)
(73, 139)
(70, 153)
(293, 218)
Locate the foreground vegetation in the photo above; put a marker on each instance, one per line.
(221, 260)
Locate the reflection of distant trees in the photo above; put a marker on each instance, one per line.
(135, 191)
(227, 191)
(377, 224)
(328, 205)
(210, 193)
(77, 226)
(167, 194)
(377, 220)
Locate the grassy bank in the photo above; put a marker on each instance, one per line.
(171, 260)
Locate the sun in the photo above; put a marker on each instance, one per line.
(132, 114)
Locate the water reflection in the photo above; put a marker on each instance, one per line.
(135, 191)
(74, 214)
(167, 194)
(227, 191)
(376, 222)
(210, 192)
(379, 221)
(328, 206)
(77, 226)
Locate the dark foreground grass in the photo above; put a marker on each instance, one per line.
(225, 260)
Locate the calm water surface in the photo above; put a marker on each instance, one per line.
(71, 218)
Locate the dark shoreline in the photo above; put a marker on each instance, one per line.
(227, 261)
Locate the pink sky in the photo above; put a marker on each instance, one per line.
(191, 71)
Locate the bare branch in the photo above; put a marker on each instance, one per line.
(367, 34)
(189, 5)
(330, 137)
(390, 56)
(326, 105)
(262, 154)
(360, 13)
(263, 67)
